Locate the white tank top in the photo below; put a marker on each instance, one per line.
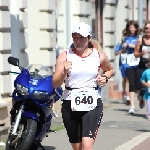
(83, 73)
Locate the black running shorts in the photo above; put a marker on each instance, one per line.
(81, 123)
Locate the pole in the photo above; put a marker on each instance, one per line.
(97, 20)
(67, 22)
(140, 13)
(132, 9)
(148, 10)
(15, 29)
(101, 21)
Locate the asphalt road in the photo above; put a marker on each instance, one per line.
(117, 128)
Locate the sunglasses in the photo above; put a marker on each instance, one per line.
(147, 28)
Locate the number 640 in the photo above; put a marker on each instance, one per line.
(85, 100)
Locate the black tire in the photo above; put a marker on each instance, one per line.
(34, 147)
(7, 145)
(26, 141)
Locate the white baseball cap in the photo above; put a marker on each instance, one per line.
(83, 29)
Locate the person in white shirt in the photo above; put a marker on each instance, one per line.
(82, 107)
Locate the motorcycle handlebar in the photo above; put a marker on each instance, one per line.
(13, 72)
(58, 94)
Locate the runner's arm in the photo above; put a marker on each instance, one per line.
(59, 74)
(137, 52)
(118, 52)
(105, 65)
(143, 79)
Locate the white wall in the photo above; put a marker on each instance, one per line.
(68, 16)
(36, 32)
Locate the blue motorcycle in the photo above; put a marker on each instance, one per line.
(32, 102)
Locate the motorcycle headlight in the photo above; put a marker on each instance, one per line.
(22, 90)
(40, 95)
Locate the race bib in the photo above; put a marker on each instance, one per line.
(123, 58)
(83, 99)
(132, 60)
(147, 50)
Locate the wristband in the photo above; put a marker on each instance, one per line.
(105, 77)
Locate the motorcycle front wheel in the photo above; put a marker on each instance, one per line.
(27, 129)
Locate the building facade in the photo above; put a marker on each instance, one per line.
(70, 12)
(34, 39)
(27, 32)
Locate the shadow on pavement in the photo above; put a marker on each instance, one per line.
(126, 110)
(115, 102)
(48, 148)
(139, 115)
(143, 130)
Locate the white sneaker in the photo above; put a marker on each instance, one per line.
(124, 98)
(127, 97)
(132, 110)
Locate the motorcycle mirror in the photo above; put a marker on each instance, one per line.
(13, 61)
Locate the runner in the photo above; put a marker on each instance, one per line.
(145, 80)
(142, 50)
(122, 66)
(132, 34)
(82, 107)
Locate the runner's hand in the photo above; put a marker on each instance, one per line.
(131, 45)
(143, 52)
(101, 80)
(67, 66)
(148, 85)
(124, 45)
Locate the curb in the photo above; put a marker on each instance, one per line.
(134, 142)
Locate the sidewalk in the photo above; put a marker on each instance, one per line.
(118, 130)
(140, 142)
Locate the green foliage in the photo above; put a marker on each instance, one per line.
(58, 127)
